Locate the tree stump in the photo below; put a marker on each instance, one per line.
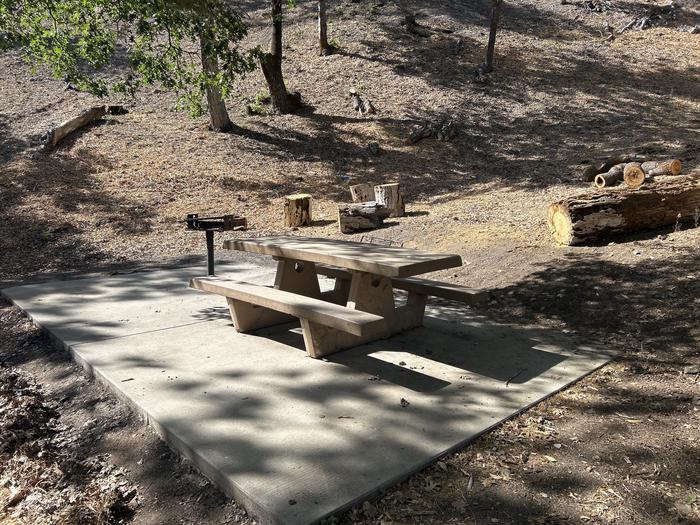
(362, 192)
(598, 215)
(361, 216)
(390, 196)
(297, 210)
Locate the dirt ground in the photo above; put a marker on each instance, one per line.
(620, 446)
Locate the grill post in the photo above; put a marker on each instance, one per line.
(210, 251)
(209, 225)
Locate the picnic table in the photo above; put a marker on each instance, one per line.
(360, 308)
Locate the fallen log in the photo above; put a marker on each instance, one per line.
(655, 168)
(633, 174)
(57, 134)
(361, 216)
(598, 215)
(612, 177)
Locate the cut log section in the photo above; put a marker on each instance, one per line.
(390, 196)
(655, 168)
(297, 210)
(362, 192)
(67, 127)
(612, 177)
(594, 217)
(633, 174)
(591, 170)
(361, 216)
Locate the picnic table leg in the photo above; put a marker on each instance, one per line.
(292, 276)
(373, 294)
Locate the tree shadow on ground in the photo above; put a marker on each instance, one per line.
(71, 198)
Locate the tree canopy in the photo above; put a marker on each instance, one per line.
(163, 41)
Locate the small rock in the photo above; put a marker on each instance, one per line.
(692, 369)
(404, 403)
(373, 148)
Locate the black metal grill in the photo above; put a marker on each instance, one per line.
(209, 225)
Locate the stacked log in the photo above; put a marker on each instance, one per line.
(633, 174)
(361, 216)
(595, 216)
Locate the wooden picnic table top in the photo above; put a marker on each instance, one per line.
(388, 261)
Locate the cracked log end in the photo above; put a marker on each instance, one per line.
(560, 224)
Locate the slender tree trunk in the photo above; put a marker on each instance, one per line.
(218, 115)
(271, 64)
(495, 18)
(325, 48)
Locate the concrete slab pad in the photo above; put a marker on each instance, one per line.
(293, 438)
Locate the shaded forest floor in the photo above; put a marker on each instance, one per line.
(621, 446)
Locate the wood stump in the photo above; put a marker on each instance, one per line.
(297, 210)
(362, 192)
(598, 215)
(361, 216)
(390, 196)
(633, 174)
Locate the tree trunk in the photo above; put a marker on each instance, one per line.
(297, 210)
(271, 64)
(361, 216)
(325, 48)
(599, 215)
(390, 196)
(362, 192)
(495, 17)
(218, 115)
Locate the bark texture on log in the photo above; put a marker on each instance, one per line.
(599, 215)
(67, 127)
(391, 197)
(362, 192)
(297, 210)
(655, 168)
(633, 174)
(361, 216)
(612, 177)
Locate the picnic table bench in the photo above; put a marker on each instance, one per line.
(360, 308)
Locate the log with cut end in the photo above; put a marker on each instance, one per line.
(612, 177)
(655, 168)
(297, 210)
(598, 215)
(67, 127)
(633, 174)
(391, 197)
(361, 216)
(362, 192)
(590, 171)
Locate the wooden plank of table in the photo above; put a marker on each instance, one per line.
(371, 258)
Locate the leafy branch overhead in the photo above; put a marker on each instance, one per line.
(163, 40)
